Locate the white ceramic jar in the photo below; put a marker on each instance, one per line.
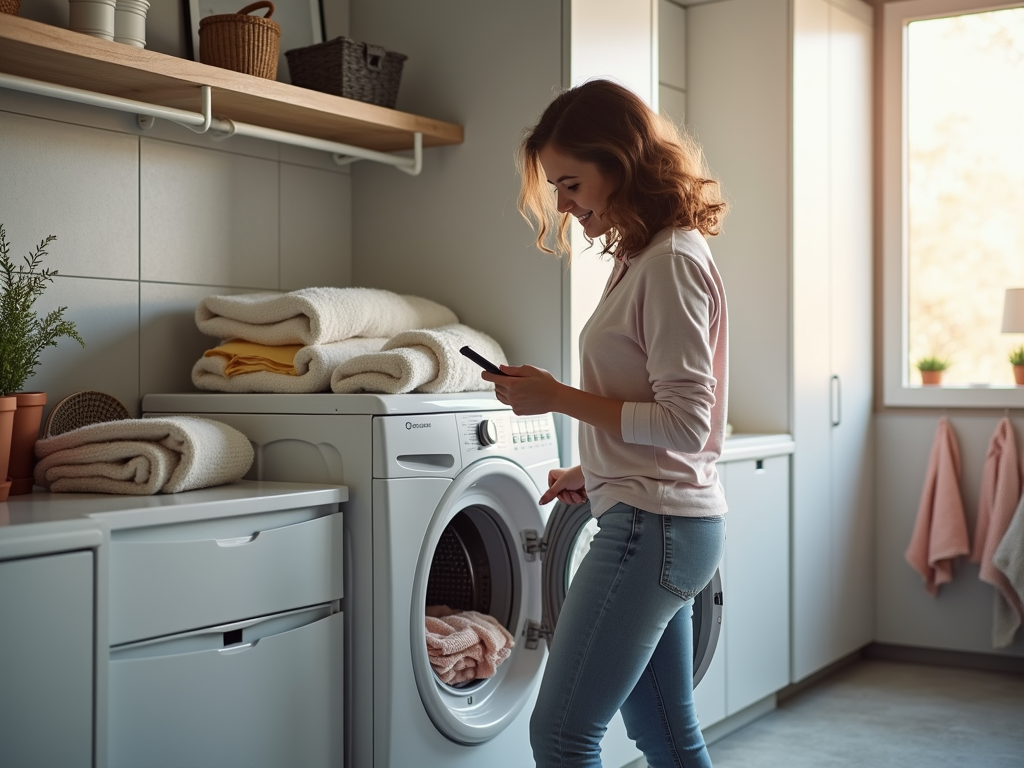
(92, 17)
(130, 22)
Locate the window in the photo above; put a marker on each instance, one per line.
(953, 197)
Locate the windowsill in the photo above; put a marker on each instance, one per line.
(955, 396)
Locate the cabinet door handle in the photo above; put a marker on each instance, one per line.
(836, 401)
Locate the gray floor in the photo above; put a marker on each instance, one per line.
(884, 714)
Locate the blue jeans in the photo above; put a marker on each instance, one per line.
(624, 641)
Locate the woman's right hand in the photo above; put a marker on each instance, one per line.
(565, 484)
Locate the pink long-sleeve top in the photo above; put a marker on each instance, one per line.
(658, 340)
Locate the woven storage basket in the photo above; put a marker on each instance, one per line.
(344, 67)
(10, 6)
(82, 409)
(242, 43)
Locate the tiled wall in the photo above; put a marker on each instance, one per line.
(150, 222)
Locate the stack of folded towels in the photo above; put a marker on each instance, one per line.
(140, 457)
(466, 645)
(342, 339)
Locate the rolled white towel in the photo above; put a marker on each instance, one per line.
(317, 315)
(314, 365)
(422, 361)
(140, 457)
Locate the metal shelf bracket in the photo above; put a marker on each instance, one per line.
(219, 128)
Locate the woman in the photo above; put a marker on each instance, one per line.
(652, 413)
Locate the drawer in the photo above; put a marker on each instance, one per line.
(174, 578)
(273, 699)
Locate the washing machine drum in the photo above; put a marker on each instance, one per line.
(570, 530)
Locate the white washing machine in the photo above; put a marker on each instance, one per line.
(442, 509)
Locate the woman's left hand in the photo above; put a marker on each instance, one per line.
(527, 389)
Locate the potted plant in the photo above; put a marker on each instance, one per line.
(1017, 361)
(23, 336)
(931, 368)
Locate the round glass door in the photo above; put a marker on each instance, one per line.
(472, 560)
(571, 529)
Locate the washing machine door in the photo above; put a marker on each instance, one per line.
(567, 538)
(473, 558)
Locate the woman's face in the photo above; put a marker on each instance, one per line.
(582, 190)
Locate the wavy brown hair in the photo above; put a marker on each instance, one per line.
(661, 179)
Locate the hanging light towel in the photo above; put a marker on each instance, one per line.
(1009, 559)
(940, 532)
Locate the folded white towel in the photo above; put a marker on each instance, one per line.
(139, 457)
(421, 361)
(314, 365)
(1009, 559)
(317, 315)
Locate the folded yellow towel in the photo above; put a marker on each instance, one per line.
(249, 357)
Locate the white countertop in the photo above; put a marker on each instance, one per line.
(756, 446)
(43, 522)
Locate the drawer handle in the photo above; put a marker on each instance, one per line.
(237, 541)
(237, 648)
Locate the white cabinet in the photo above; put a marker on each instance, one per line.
(193, 629)
(46, 660)
(832, 346)
(752, 661)
(227, 642)
(779, 92)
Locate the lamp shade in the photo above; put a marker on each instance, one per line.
(1013, 311)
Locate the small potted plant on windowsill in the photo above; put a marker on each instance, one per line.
(931, 368)
(23, 336)
(1017, 361)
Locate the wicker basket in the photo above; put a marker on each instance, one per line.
(82, 409)
(344, 67)
(10, 6)
(241, 43)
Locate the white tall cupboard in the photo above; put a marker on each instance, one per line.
(779, 92)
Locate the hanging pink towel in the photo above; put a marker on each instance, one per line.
(466, 646)
(940, 532)
(1000, 492)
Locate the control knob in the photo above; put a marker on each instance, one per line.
(486, 432)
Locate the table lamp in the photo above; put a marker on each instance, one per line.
(1013, 311)
(1013, 322)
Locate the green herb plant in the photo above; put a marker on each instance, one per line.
(1017, 356)
(23, 334)
(932, 363)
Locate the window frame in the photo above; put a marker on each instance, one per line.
(897, 390)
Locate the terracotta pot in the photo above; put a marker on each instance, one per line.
(931, 377)
(27, 419)
(1018, 374)
(8, 405)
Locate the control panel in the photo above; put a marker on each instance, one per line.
(506, 432)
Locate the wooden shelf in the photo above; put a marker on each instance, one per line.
(59, 56)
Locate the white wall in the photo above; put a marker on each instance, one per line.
(453, 233)
(960, 617)
(746, 142)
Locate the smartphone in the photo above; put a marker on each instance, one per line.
(482, 361)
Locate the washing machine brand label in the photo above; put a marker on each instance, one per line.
(418, 425)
